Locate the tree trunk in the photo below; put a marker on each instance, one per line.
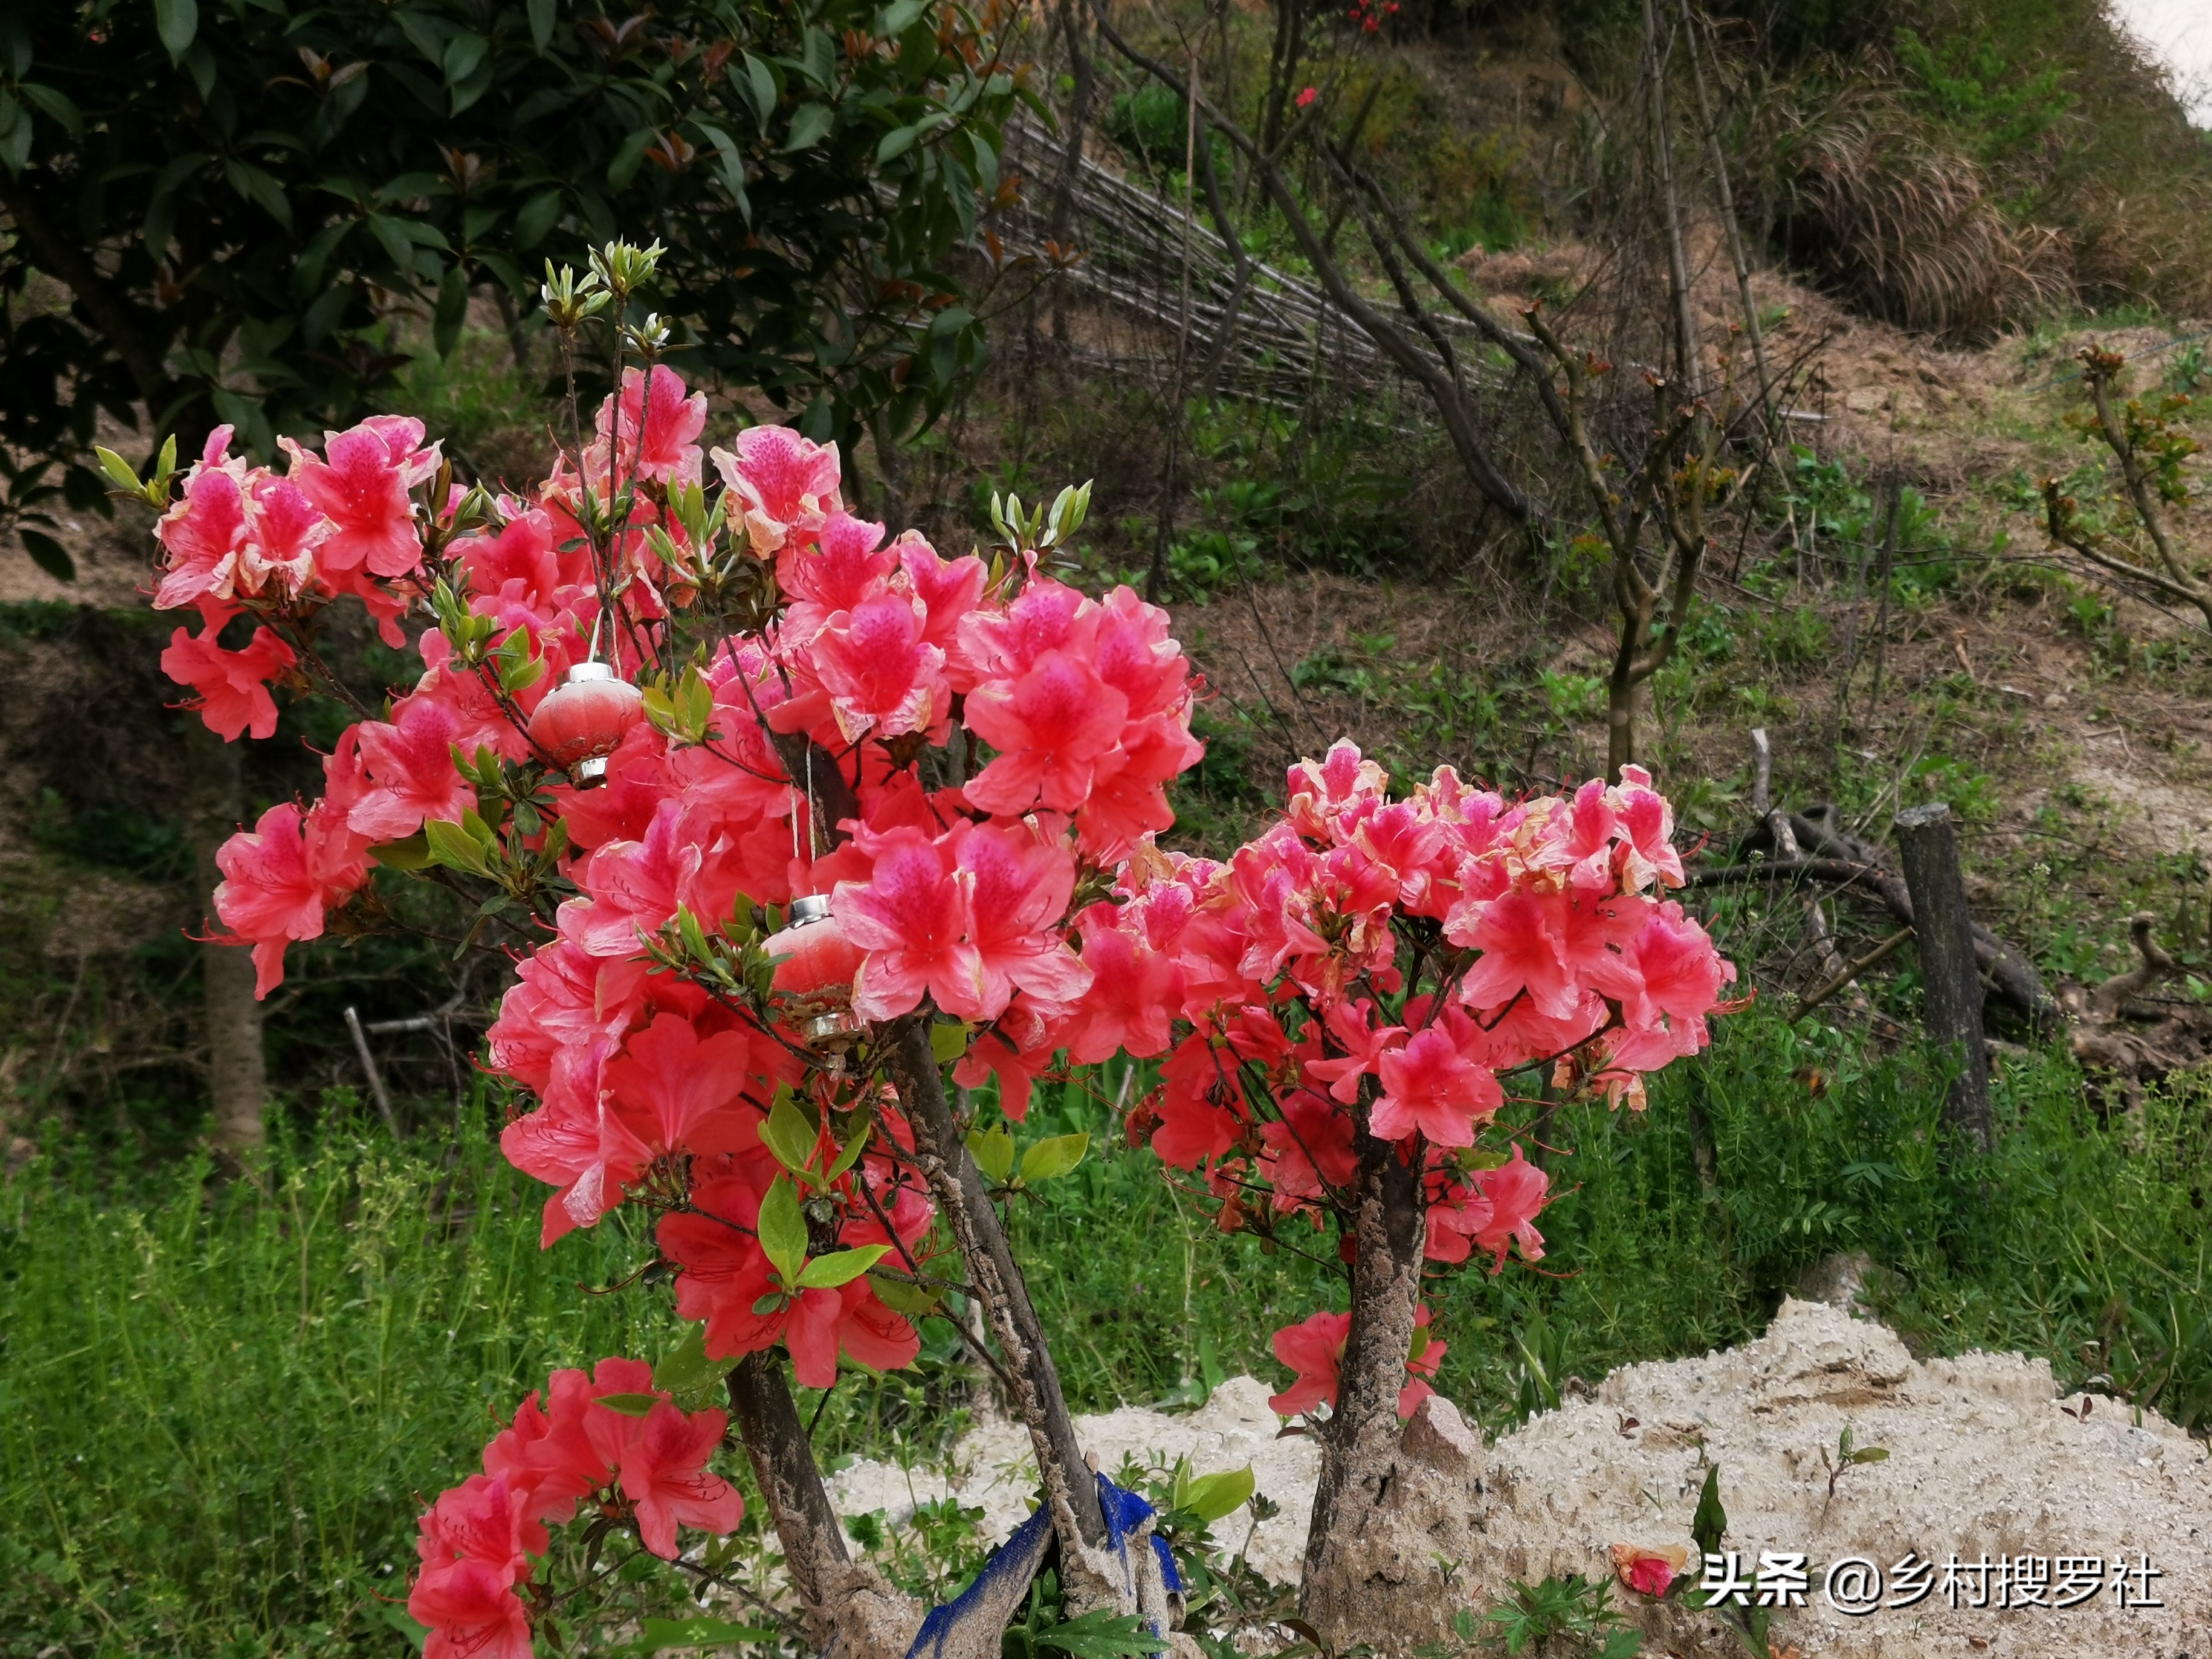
(958, 1189)
(238, 1078)
(850, 1607)
(1620, 700)
(1360, 1441)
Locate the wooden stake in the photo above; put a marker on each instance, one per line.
(1927, 846)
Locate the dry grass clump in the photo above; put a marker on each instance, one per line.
(1906, 226)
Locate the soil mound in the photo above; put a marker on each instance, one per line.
(1985, 1461)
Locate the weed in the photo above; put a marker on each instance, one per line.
(1561, 1614)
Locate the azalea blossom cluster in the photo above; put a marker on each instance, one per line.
(607, 1445)
(1381, 963)
(949, 748)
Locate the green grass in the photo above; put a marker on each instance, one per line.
(220, 1402)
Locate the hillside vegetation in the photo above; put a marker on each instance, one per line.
(1941, 206)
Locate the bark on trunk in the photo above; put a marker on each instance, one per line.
(958, 1189)
(1360, 1441)
(1620, 700)
(849, 1605)
(238, 1078)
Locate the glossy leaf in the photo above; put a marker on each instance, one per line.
(1051, 1158)
(827, 1273)
(993, 1153)
(783, 1230)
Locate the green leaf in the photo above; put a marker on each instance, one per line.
(411, 853)
(1212, 1495)
(1709, 1525)
(1623, 1644)
(452, 311)
(948, 1040)
(686, 1372)
(536, 221)
(993, 1153)
(788, 1135)
(1871, 1454)
(758, 88)
(1101, 1634)
(55, 104)
(827, 1273)
(630, 1405)
(48, 555)
(850, 1153)
(15, 134)
(808, 126)
(454, 847)
(899, 1297)
(895, 143)
(898, 18)
(541, 22)
(1051, 1158)
(463, 53)
(177, 21)
(783, 1230)
(261, 189)
(117, 469)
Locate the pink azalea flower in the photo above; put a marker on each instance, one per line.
(677, 1093)
(882, 677)
(779, 479)
(664, 1473)
(1050, 727)
(472, 1612)
(912, 920)
(659, 441)
(410, 766)
(202, 532)
(1018, 887)
(1314, 1348)
(232, 685)
(361, 483)
(278, 880)
(1431, 1088)
(1515, 1192)
(1520, 954)
(283, 529)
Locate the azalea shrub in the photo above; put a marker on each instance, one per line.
(761, 803)
(608, 1444)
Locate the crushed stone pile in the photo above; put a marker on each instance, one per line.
(1984, 1461)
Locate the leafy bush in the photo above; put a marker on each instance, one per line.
(226, 212)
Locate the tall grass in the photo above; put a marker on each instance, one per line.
(220, 1403)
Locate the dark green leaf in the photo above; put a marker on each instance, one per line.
(538, 217)
(54, 103)
(630, 1405)
(808, 125)
(1709, 1525)
(895, 143)
(176, 21)
(756, 83)
(1101, 1634)
(452, 311)
(48, 555)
